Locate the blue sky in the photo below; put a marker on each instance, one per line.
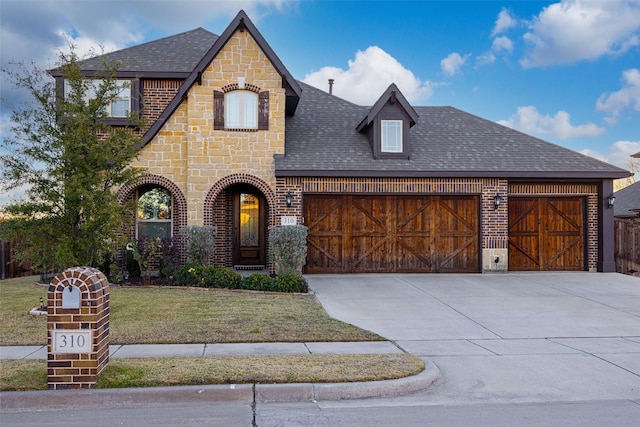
(565, 71)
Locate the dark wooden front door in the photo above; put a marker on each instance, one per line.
(546, 233)
(367, 234)
(249, 218)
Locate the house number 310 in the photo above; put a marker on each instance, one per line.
(71, 341)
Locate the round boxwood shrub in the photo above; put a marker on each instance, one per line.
(290, 282)
(256, 282)
(222, 277)
(190, 274)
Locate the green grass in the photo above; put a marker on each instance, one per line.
(20, 375)
(194, 315)
(161, 315)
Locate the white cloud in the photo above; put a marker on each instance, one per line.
(627, 97)
(452, 63)
(368, 75)
(575, 30)
(86, 46)
(619, 153)
(504, 21)
(502, 43)
(529, 120)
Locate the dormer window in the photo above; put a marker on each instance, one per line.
(387, 125)
(391, 136)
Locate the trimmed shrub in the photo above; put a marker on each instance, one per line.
(288, 248)
(190, 274)
(222, 277)
(256, 282)
(199, 242)
(289, 282)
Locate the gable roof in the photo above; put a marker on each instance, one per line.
(322, 140)
(394, 95)
(170, 57)
(627, 199)
(240, 23)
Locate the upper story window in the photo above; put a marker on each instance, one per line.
(154, 213)
(120, 105)
(391, 136)
(241, 110)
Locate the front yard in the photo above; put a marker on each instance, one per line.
(156, 315)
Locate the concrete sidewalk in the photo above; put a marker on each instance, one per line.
(182, 350)
(243, 393)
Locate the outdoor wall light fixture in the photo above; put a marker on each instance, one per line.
(497, 199)
(288, 198)
(611, 200)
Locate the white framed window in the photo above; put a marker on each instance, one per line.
(154, 213)
(241, 110)
(391, 131)
(120, 106)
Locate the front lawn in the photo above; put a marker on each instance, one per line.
(162, 315)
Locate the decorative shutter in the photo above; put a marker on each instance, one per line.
(263, 110)
(218, 110)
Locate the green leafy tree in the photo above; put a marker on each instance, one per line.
(61, 150)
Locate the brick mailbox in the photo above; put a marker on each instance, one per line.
(77, 328)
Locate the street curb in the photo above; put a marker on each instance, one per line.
(241, 393)
(306, 392)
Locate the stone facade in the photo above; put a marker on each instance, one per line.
(191, 154)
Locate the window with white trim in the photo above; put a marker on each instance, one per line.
(241, 110)
(154, 213)
(391, 131)
(120, 105)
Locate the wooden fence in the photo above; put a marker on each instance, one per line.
(627, 246)
(8, 266)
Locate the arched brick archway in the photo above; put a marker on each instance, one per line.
(218, 210)
(127, 193)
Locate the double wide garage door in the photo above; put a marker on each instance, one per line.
(374, 234)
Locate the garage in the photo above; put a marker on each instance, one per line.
(392, 233)
(546, 233)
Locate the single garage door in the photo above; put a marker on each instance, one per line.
(382, 233)
(546, 233)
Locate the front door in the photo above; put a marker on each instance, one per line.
(249, 217)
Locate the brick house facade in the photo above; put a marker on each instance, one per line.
(230, 134)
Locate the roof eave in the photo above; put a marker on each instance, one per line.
(279, 172)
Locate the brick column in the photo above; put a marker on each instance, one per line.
(495, 227)
(77, 328)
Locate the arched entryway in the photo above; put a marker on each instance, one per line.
(239, 207)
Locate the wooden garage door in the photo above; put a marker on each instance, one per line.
(546, 233)
(367, 234)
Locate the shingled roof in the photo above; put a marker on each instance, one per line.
(174, 56)
(322, 140)
(627, 199)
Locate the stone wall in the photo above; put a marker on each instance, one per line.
(191, 154)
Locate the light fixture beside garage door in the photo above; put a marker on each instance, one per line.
(497, 199)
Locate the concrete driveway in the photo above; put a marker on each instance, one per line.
(510, 337)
